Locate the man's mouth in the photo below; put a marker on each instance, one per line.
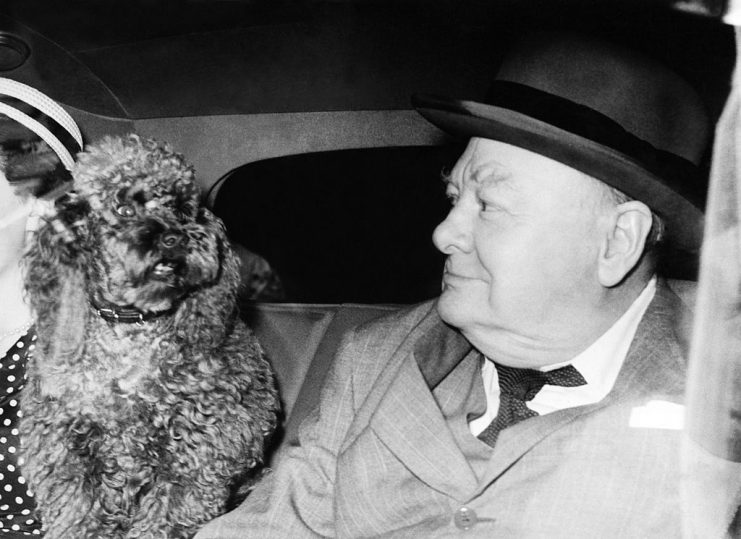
(455, 276)
(453, 273)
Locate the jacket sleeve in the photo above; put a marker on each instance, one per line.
(297, 498)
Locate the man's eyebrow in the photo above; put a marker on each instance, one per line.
(489, 175)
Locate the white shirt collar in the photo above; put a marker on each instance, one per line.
(599, 364)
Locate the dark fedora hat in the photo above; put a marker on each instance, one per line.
(609, 112)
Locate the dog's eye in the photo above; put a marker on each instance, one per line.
(125, 210)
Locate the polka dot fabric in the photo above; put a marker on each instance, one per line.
(16, 500)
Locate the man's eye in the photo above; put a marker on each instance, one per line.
(452, 198)
(125, 210)
(486, 206)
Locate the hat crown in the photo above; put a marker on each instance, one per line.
(645, 98)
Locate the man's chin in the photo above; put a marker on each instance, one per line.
(453, 309)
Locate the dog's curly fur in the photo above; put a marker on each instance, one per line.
(138, 429)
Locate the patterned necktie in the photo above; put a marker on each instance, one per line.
(518, 386)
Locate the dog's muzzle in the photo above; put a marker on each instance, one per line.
(165, 270)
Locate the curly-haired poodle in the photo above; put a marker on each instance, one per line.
(148, 400)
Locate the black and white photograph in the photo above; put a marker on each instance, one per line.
(425, 269)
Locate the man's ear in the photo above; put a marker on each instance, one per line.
(629, 227)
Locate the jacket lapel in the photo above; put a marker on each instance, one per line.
(411, 425)
(655, 363)
(402, 411)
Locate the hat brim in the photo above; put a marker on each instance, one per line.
(684, 219)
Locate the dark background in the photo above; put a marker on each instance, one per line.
(153, 58)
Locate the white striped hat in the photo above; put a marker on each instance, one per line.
(43, 116)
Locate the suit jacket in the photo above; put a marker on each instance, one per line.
(387, 452)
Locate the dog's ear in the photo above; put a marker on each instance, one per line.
(64, 235)
(58, 295)
(66, 326)
(213, 309)
(55, 267)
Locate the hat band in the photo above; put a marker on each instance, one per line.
(61, 136)
(592, 125)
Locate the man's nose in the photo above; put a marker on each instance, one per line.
(453, 233)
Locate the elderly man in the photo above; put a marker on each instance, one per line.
(520, 403)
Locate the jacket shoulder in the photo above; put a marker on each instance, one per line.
(398, 322)
(369, 347)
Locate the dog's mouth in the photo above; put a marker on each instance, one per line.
(165, 270)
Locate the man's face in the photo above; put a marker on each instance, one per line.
(523, 239)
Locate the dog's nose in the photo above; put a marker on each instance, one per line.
(171, 239)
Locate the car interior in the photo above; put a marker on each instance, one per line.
(297, 118)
